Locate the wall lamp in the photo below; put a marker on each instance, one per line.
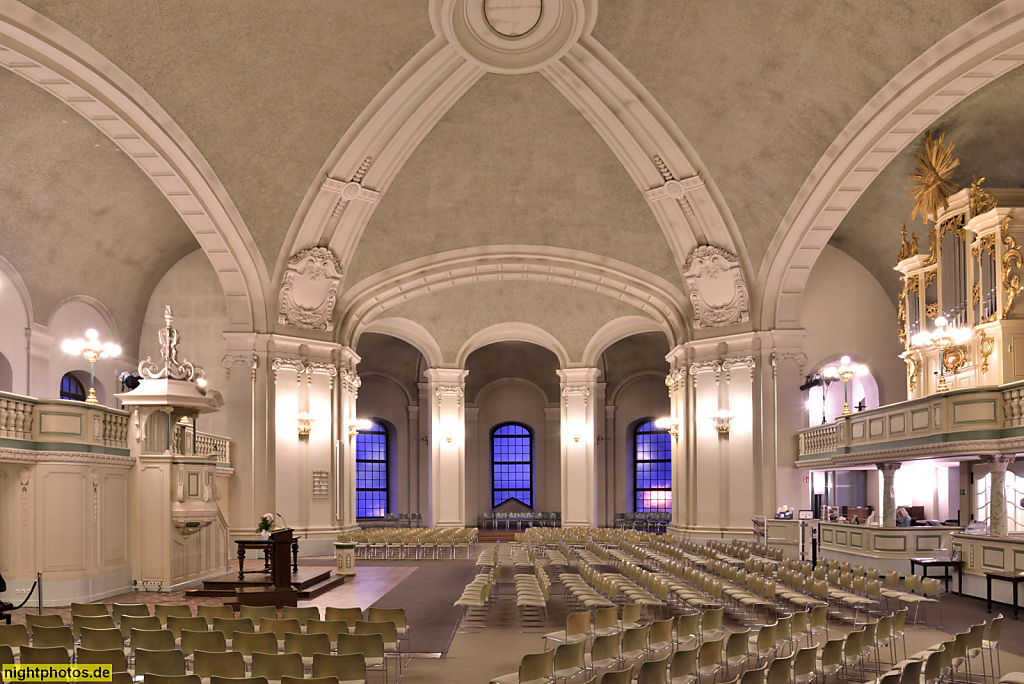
(305, 422)
(669, 424)
(722, 421)
(358, 426)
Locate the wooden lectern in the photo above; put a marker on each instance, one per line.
(279, 592)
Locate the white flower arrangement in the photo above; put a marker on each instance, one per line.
(266, 523)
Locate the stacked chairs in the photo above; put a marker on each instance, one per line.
(532, 592)
(476, 600)
(407, 542)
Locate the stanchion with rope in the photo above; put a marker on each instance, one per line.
(7, 608)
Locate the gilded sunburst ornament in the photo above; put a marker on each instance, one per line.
(932, 186)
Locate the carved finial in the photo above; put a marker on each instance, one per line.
(169, 367)
(908, 248)
(981, 200)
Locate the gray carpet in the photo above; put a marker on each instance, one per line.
(427, 596)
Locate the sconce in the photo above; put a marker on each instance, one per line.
(722, 421)
(305, 422)
(668, 424)
(358, 426)
(449, 436)
(576, 436)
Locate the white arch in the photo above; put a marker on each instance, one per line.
(494, 384)
(639, 375)
(645, 291)
(407, 331)
(613, 331)
(94, 304)
(513, 332)
(970, 57)
(338, 205)
(52, 58)
(387, 377)
(19, 286)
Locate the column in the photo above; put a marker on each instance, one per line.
(579, 467)
(251, 424)
(676, 382)
(997, 504)
(446, 498)
(888, 471)
(345, 469)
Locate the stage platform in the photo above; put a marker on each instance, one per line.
(309, 582)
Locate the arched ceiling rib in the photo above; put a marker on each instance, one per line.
(512, 163)
(641, 291)
(870, 232)
(964, 61)
(540, 304)
(761, 95)
(61, 63)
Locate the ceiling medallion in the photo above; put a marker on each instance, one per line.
(512, 36)
(512, 18)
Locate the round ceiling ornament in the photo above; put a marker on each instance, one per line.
(512, 36)
(512, 18)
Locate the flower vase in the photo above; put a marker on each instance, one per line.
(264, 535)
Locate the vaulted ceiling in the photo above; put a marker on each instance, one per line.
(272, 101)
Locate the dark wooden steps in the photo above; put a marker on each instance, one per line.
(307, 582)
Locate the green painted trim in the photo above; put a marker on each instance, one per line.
(936, 537)
(901, 538)
(984, 561)
(43, 414)
(193, 479)
(63, 446)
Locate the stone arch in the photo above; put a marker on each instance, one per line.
(513, 332)
(967, 59)
(54, 59)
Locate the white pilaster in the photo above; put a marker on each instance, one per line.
(346, 392)
(579, 467)
(679, 430)
(447, 472)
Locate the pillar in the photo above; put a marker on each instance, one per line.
(997, 502)
(676, 382)
(347, 392)
(446, 499)
(888, 471)
(578, 462)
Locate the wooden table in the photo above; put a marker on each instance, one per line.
(946, 563)
(263, 545)
(1015, 579)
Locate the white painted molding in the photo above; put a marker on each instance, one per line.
(718, 290)
(513, 332)
(410, 332)
(614, 331)
(52, 58)
(645, 291)
(310, 289)
(967, 59)
(10, 455)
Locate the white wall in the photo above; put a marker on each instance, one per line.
(13, 343)
(845, 311)
(642, 397)
(193, 290)
(383, 398)
(519, 401)
(70, 321)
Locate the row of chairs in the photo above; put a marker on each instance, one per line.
(417, 543)
(521, 520)
(647, 521)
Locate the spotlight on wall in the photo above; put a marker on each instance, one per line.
(722, 421)
(668, 424)
(305, 422)
(358, 426)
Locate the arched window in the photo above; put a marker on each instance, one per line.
(652, 469)
(512, 464)
(372, 472)
(71, 388)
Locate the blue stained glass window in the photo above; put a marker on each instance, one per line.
(512, 464)
(71, 388)
(652, 475)
(372, 472)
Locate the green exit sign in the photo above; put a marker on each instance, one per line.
(963, 492)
